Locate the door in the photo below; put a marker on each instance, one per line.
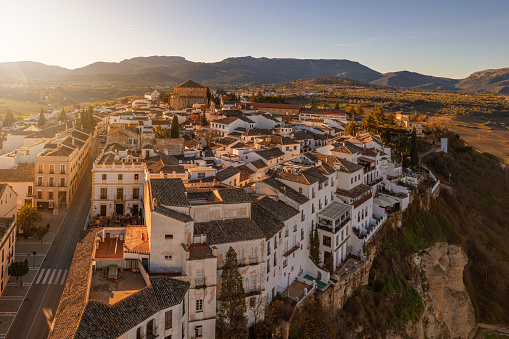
(135, 209)
(119, 209)
(103, 210)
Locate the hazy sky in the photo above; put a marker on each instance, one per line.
(443, 38)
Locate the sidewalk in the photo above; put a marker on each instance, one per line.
(13, 295)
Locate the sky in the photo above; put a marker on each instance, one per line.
(446, 38)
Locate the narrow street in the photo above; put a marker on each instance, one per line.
(35, 316)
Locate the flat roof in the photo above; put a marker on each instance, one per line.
(334, 210)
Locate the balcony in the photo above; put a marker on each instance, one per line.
(103, 197)
(51, 184)
(39, 184)
(292, 250)
(120, 197)
(62, 185)
(62, 172)
(328, 227)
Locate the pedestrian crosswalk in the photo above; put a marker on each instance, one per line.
(51, 276)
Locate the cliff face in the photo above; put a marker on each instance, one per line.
(448, 311)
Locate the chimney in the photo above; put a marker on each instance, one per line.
(214, 251)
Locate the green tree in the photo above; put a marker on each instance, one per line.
(314, 246)
(313, 320)
(336, 106)
(159, 132)
(62, 116)
(203, 119)
(379, 115)
(28, 216)
(8, 119)
(42, 118)
(414, 153)
(351, 128)
(231, 319)
(175, 131)
(359, 110)
(369, 124)
(18, 269)
(41, 232)
(351, 110)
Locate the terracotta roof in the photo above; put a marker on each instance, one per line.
(259, 164)
(136, 239)
(286, 190)
(226, 173)
(226, 141)
(269, 226)
(233, 195)
(228, 231)
(23, 172)
(271, 153)
(245, 172)
(172, 214)
(277, 208)
(169, 192)
(348, 166)
(190, 84)
(355, 192)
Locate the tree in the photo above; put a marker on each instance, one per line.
(351, 128)
(369, 124)
(336, 106)
(359, 110)
(41, 232)
(8, 119)
(28, 216)
(18, 269)
(231, 319)
(62, 116)
(314, 246)
(174, 131)
(313, 320)
(42, 118)
(160, 132)
(204, 121)
(351, 110)
(379, 115)
(437, 125)
(414, 154)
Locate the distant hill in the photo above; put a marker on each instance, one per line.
(245, 70)
(22, 71)
(415, 80)
(490, 80)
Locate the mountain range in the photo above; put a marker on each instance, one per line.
(245, 70)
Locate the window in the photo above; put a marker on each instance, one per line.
(150, 328)
(198, 331)
(301, 234)
(52, 168)
(168, 319)
(167, 257)
(183, 311)
(104, 193)
(39, 181)
(105, 176)
(120, 176)
(136, 176)
(300, 189)
(120, 194)
(168, 236)
(312, 208)
(201, 175)
(285, 263)
(62, 182)
(136, 193)
(62, 169)
(326, 241)
(30, 191)
(39, 195)
(183, 331)
(252, 302)
(200, 277)
(50, 195)
(138, 333)
(302, 216)
(199, 305)
(41, 166)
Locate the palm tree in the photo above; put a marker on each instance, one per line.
(159, 132)
(369, 124)
(28, 216)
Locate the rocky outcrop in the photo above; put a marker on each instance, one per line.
(448, 310)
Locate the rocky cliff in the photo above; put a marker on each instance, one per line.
(448, 311)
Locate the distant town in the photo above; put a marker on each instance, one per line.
(141, 219)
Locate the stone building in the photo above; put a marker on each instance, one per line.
(188, 93)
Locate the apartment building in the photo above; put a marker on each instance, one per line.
(7, 247)
(117, 183)
(21, 180)
(60, 167)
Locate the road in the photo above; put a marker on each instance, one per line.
(36, 314)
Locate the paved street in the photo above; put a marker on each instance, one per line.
(45, 282)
